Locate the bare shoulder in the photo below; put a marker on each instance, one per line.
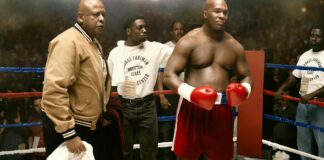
(191, 39)
(235, 45)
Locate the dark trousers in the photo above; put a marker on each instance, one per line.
(53, 139)
(140, 118)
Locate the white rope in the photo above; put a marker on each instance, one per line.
(160, 145)
(284, 148)
(169, 144)
(22, 151)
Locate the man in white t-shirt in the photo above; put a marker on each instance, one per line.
(311, 87)
(134, 65)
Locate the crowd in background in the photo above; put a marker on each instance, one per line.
(257, 26)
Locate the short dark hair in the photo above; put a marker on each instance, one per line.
(174, 22)
(320, 27)
(130, 20)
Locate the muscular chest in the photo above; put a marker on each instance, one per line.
(213, 54)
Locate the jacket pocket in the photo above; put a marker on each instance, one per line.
(82, 98)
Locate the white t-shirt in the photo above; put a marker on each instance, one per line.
(135, 68)
(310, 80)
(170, 44)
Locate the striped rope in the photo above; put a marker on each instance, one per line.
(284, 148)
(160, 119)
(267, 65)
(172, 118)
(285, 120)
(20, 125)
(169, 144)
(287, 97)
(22, 151)
(285, 66)
(22, 69)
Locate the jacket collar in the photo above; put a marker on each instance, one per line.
(84, 33)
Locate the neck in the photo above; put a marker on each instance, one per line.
(129, 42)
(214, 34)
(317, 48)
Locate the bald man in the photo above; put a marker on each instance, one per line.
(210, 56)
(77, 84)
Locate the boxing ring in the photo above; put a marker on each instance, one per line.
(250, 113)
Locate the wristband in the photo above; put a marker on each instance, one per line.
(185, 90)
(247, 86)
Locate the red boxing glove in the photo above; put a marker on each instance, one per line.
(203, 96)
(236, 93)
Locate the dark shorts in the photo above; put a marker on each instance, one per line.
(199, 131)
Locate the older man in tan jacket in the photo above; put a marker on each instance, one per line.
(77, 84)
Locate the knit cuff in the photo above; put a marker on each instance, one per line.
(69, 134)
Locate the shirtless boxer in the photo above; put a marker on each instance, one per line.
(210, 57)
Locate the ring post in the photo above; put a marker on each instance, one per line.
(249, 125)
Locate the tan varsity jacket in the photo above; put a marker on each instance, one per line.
(75, 84)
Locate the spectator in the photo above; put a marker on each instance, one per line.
(13, 138)
(36, 138)
(284, 133)
(311, 87)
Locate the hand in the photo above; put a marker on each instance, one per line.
(278, 94)
(106, 122)
(305, 98)
(236, 93)
(203, 96)
(165, 104)
(75, 145)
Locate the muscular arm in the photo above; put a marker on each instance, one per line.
(242, 68)
(177, 63)
(292, 80)
(163, 100)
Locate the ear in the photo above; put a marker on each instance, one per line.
(80, 18)
(128, 31)
(205, 14)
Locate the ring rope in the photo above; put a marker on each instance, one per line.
(285, 120)
(169, 144)
(39, 94)
(267, 65)
(172, 118)
(285, 66)
(22, 69)
(22, 151)
(285, 148)
(287, 97)
(160, 119)
(20, 125)
(167, 118)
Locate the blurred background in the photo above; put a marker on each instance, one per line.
(280, 27)
(27, 26)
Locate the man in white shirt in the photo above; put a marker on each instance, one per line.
(311, 87)
(134, 65)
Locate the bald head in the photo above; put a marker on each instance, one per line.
(215, 14)
(85, 5)
(91, 16)
(210, 4)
